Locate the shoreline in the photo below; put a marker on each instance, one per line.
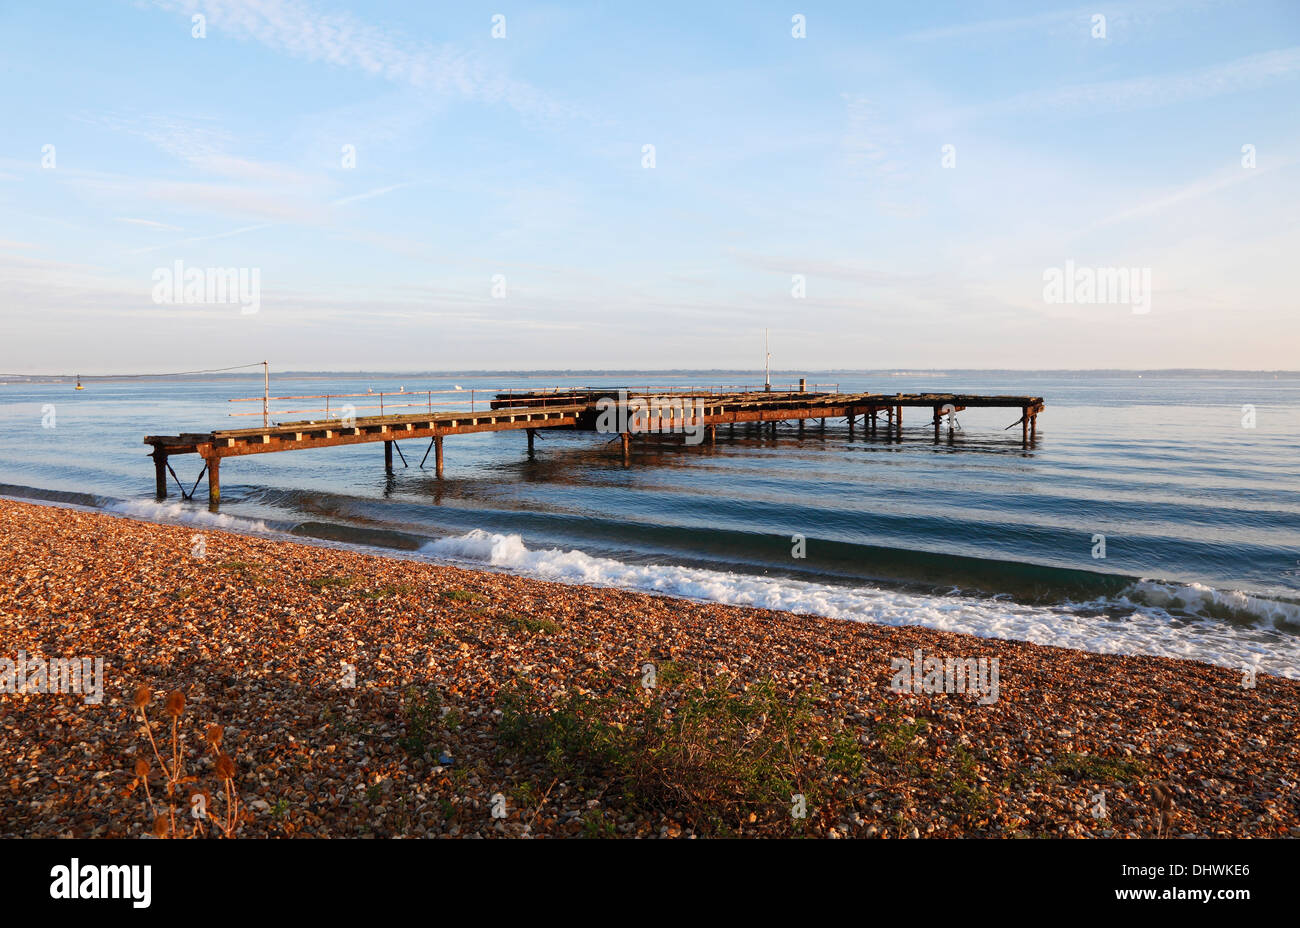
(255, 630)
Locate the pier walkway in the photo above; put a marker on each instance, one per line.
(695, 413)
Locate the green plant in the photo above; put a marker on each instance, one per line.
(529, 624)
(325, 582)
(595, 825)
(1079, 766)
(420, 709)
(721, 755)
(897, 734)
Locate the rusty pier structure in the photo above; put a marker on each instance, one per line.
(624, 413)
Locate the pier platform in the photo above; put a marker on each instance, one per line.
(625, 412)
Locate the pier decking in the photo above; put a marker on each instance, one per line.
(634, 412)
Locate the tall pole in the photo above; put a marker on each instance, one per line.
(266, 395)
(767, 365)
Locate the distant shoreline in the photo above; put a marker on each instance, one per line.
(1098, 373)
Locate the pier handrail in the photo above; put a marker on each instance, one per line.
(498, 393)
(467, 396)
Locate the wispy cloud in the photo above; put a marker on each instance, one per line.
(195, 239)
(1202, 187)
(1036, 21)
(296, 28)
(1249, 73)
(149, 224)
(1076, 21)
(370, 194)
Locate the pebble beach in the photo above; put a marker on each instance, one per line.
(354, 695)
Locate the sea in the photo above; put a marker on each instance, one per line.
(1157, 513)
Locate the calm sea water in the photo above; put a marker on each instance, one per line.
(1200, 514)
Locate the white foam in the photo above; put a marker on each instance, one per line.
(1143, 628)
(152, 511)
(1201, 600)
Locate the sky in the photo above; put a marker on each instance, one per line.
(879, 185)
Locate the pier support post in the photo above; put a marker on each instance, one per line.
(437, 455)
(627, 447)
(938, 418)
(160, 473)
(388, 457)
(898, 422)
(801, 428)
(531, 432)
(713, 434)
(1033, 427)
(214, 483)
(852, 416)
(823, 426)
(1024, 428)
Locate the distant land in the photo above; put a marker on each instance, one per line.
(1202, 373)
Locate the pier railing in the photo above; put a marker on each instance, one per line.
(390, 403)
(403, 401)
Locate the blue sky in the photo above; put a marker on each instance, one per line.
(522, 157)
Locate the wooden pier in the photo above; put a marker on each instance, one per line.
(634, 412)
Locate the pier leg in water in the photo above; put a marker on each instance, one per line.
(937, 419)
(214, 483)
(801, 428)
(531, 432)
(898, 422)
(713, 435)
(627, 447)
(1024, 428)
(160, 474)
(852, 416)
(1033, 428)
(437, 455)
(388, 457)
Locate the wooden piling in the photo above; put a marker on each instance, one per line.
(531, 433)
(1024, 428)
(627, 447)
(938, 418)
(388, 457)
(160, 473)
(214, 483)
(437, 455)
